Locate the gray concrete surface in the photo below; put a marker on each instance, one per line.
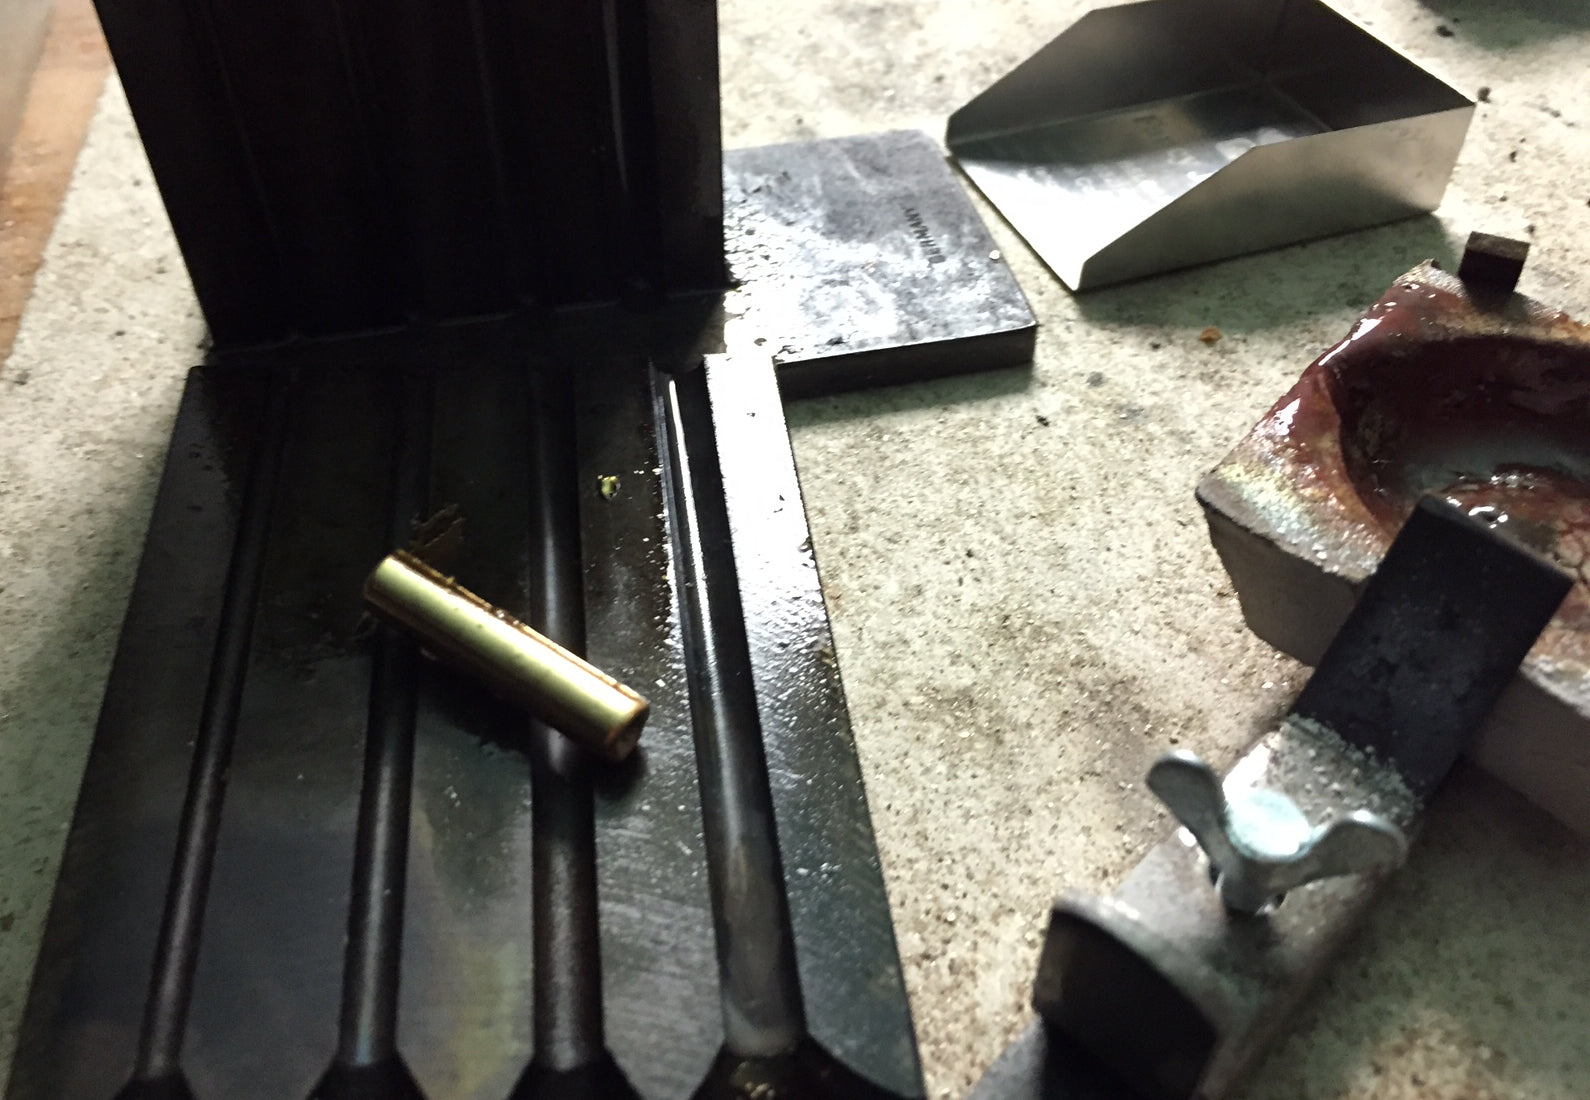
(1024, 598)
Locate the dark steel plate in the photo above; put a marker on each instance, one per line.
(861, 261)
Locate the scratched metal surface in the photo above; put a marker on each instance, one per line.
(1152, 136)
(858, 261)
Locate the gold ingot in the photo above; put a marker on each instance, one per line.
(524, 667)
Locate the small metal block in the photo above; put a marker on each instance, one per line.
(1493, 263)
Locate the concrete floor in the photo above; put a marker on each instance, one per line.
(1026, 606)
(62, 93)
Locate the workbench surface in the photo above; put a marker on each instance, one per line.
(1026, 606)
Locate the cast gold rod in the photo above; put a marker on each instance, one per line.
(528, 669)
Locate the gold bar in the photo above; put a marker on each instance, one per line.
(524, 667)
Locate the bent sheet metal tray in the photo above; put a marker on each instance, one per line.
(522, 925)
(1158, 135)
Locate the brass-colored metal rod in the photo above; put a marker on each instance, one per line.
(459, 628)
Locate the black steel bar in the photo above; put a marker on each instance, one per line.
(338, 166)
(663, 1013)
(296, 97)
(375, 925)
(852, 991)
(86, 1008)
(466, 1001)
(367, 1040)
(276, 918)
(487, 88)
(433, 132)
(177, 950)
(568, 990)
(635, 140)
(568, 1013)
(558, 136)
(684, 132)
(762, 1014)
(203, 162)
(1420, 662)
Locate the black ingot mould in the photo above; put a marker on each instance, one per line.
(475, 258)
